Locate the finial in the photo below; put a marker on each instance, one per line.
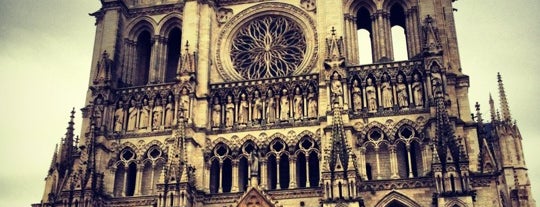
(492, 108)
(478, 114)
(333, 30)
(187, 46)
(505, 110)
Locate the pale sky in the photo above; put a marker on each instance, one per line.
(45, 56)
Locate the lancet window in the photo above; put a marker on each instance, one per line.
(126, 173)
(221, 169)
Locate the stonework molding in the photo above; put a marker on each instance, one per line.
(396, 196)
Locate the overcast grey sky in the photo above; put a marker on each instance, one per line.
(46, 46)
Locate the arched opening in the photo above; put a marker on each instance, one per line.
(147, 178)
(398, 30)
(314, 169)
(284, 176)
(131, 179)
(371, 162)
(243, 174)
(396, 203)
(364, 34)
(272, 172)
(144, 51)
(227, 176)
(119, 180)
(301, 170)
(402, 160)
(173, 54)
(416, 159)
(214, 176)
(384, 162)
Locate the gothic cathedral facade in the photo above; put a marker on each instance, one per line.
(270, 103)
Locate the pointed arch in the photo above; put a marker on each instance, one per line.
(395, 196)
(455, 203)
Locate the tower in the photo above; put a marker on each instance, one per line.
(271, 103)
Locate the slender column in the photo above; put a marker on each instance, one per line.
(220, 183)
(235, 175)
(388, 36)
(345, 95)
(152, 181)
(379, 99)
(393, 85)
(378, 163)
(409, 160)
(292, 172)
(277, 173)
(363, 163)
(307, 172)
(354, 37)
(374, 35)
(140, 168)
(124, 190)
(409, 89)
(264, 177)
(364, 99)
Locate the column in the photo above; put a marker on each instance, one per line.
(346, 96)
(235, 174)
(393, 162)
(408, 146)
(264, 177)
(277, 173)
(378, 163)
(124, 189)
(307, 172)
(292, 172)
(140, 168)
(220, 183)
(362, 164)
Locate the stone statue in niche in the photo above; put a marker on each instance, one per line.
(336, 89)
(157, 114)
(386, 93)
(271, 108)
(216, 113)
(401, 90)
(371, 95)
(356, 96)
(169, 111)
(184, 103)
(98, 112)
(298, 104)
(132, 116)
(243, 110)
(284, 106)
(144, 113)
(257, 107)
(418, 92)
(119, 118)
(312, 103)
(229, 112)
(254, 162)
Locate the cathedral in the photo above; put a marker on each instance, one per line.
(271, 103)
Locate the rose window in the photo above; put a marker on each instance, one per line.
(267, 47)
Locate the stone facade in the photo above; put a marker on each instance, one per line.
(265, 103)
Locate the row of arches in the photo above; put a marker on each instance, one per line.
(276, 166)
(151, 55)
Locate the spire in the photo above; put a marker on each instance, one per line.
(492, 108)
(446, 140)
(339, 154)
(505, 110)
(478, 114)
(66, 148)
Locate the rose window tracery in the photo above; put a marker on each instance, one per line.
(268, 46)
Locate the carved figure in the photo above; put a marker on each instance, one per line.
(216, 113)
(356, 96)
(143, 117)
(157, 114)
(169, 111)
(298, 105)
(229, 112)
(184, 102)
(271, 108)
(418, 92)
(132, 120)
(312, 104)
(257, 107)
(337, 89)
(98, 112)
(243, 110)
(371, 95)
(119, 118)
(401, 90)
(254, 162)
(284, 106)
(387, 97)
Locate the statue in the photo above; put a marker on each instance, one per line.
(184, 103)
(216, 113)
(418, 93)
(257, 108)
(312, 104)
(298, 105)
(371, 95)
(243, 111)
(336, 89)
(143, 117)
(386, 93)
(119, 118)
(271, 108)
(157, 114)
(356, 96)
(98, 112)
(132, 116)
(254, 163)
(229, 112)
(169, 111)
(401, 90)
(284, 106)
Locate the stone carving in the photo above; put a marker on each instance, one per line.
(257, 108)
(243, 111)
(132, 116)
(224, 14)
(119, 118)
(271, 108)
(356, 96)
(308, 5)
(401, 90)
(298, 104)
(336, 89)
(386, 93)
(418, 92)
(284, 106)
(371, 95)
(312, 103)
(169, 111)
(216, 113)
(254, 162)
(104, 69)
(98, 112)
(229, 112)
(144, 113)
(157, 114)
(184, 103)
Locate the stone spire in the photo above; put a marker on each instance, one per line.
(339, 155)
(492, 109)
(505, 110)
